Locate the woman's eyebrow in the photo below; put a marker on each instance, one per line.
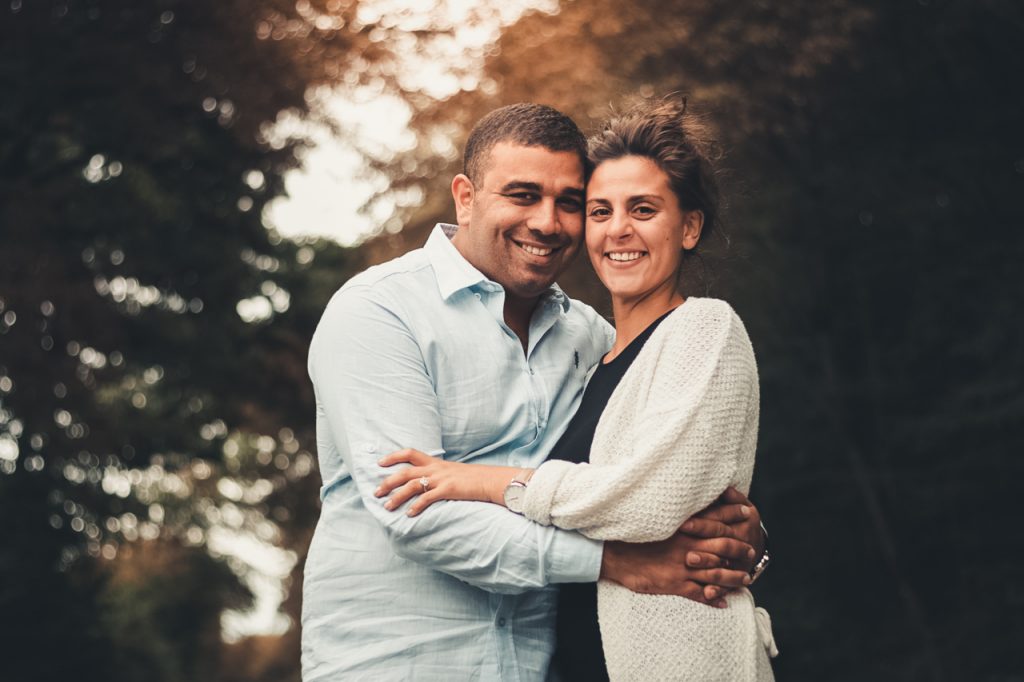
(654, 198)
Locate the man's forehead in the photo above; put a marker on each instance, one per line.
(511, 162)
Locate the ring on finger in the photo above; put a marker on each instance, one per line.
(425, 482)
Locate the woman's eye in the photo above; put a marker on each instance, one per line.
(598, 212)
(644, 211)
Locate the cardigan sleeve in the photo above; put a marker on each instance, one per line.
(698, 390)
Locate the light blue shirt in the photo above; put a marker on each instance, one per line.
(416, 353)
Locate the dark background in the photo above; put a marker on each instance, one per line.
(875, 155)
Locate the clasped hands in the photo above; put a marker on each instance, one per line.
(710, 556)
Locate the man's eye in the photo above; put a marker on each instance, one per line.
(522, 197)
(570, 205)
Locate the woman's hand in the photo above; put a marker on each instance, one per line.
(430, 479)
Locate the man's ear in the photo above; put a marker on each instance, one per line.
(463, 192)
(693, 223)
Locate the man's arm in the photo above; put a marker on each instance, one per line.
(376, 395)
(732, 515)
(711, 555)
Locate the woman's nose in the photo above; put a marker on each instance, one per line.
(619, 226)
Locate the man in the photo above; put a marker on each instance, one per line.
(466, 348)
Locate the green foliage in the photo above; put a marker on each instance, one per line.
(162, 612)
(875, 153)
(135, 163)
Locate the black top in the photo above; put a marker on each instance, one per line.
(578, 654)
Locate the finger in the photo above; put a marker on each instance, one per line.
(396, 457)
(733, 496)
(425, 500)
(699, 593)
(726, 513)
(726, 548)
(705, 528)
(722, 577)
(713, 592)
(396, 479)
(403, 494)
(407, 455)
(703, 560)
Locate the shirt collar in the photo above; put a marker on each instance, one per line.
(454, 273)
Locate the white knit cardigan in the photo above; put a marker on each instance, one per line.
(679, 428)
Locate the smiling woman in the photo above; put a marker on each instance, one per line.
(636, 232)
(667, 423)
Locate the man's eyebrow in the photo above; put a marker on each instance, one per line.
(520, 184)
(514, 185)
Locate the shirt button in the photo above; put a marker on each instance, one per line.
(477, 296)
(501, 622)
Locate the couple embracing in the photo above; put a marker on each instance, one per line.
(490, 449)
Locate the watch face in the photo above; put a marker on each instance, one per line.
(514, 494)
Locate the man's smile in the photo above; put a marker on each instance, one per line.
(536, 249)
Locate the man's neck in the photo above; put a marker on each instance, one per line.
(518, 313)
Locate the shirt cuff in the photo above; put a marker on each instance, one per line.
(574, 558)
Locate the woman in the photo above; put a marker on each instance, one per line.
(669, 418)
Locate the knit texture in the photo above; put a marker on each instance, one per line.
(679, 428)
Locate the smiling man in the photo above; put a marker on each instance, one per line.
(522, 208)
(468, 350)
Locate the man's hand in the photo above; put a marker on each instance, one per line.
(730, 516)
(711, 555)
(664, 567)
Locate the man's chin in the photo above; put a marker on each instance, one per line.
(531, 289)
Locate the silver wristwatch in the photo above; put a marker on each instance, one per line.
(759, 567)
(515, 491)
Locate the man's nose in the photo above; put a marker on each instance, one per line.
(545, 219)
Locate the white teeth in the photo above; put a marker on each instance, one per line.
(623, 257)
(536, 251)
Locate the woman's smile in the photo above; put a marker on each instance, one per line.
(625, 256)
(635, 229)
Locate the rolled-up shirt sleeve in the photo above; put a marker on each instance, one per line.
(376, 396)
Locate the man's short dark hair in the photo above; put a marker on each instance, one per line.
(531, 125)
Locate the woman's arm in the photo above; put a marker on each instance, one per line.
(431, 479)
(697, 427)
(700, 420)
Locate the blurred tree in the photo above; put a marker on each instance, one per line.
(876, 150)
(162, 606)
(152, 330)
(153, 333)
